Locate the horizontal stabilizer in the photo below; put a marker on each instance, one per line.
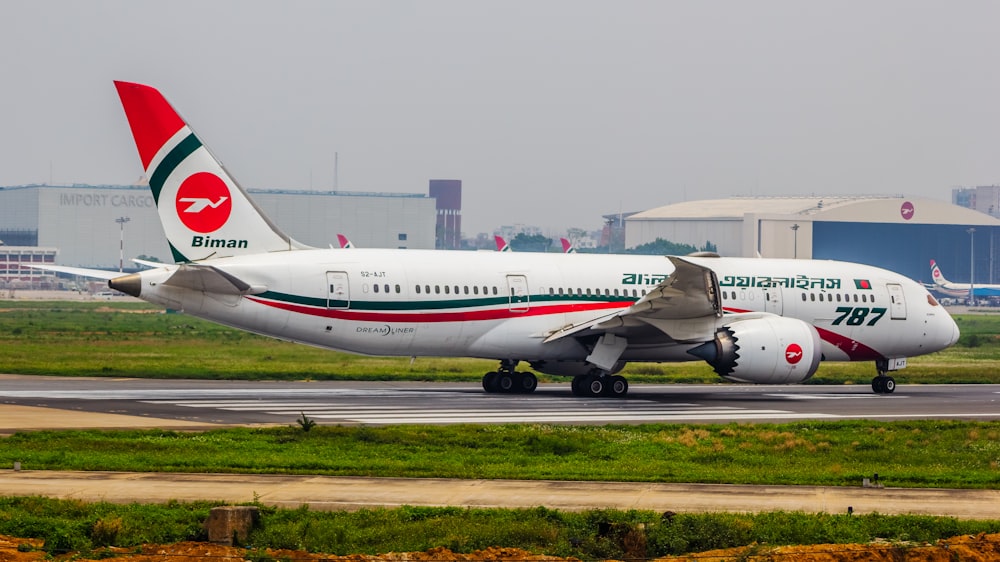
(83, 272)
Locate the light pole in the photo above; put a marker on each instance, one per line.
(795, 239)
(972, 266)
(121, 242)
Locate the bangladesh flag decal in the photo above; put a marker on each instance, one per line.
(863, 284)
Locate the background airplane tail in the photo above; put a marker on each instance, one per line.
(936, 274)
(204, 212)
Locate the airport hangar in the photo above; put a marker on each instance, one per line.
(898, 233)
(87, 223)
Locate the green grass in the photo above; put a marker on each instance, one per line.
(947, 454)
(139, 340)
(589, 535)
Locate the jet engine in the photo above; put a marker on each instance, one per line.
(767, 350)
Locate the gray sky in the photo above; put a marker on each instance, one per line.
(551, 112)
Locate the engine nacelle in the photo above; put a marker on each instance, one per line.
(768, 350)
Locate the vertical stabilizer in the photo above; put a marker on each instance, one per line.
(204, 212)
(936, 274)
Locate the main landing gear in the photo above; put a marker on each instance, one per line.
(508, 381)
(600, 384)
(882, 383)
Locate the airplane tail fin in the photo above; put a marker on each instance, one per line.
(204, 212)
(502, 245)
(345, 242)
(568, 247)
(936, 274)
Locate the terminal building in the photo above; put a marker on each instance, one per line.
(104, 226)
(898, 233)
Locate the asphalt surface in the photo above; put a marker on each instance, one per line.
(195, 403)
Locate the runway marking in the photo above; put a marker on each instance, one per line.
(831, 396)
(567, 412)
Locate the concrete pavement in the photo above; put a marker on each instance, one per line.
(334, 493)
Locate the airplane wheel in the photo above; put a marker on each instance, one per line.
(618, 387)
(888, 385)
(595, 385)
(527, 382)
(576, 385)
(505, 382)
(877, 385)
(490, 382)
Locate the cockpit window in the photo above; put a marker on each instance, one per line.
(932, 301)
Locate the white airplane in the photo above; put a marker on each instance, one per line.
(585, 316)
(960, 290)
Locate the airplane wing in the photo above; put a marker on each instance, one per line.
(679, 307)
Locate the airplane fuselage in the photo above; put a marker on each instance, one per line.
(500, 305)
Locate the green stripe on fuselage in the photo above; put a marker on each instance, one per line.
(410, 305)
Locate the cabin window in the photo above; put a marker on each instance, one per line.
(838, 297)
(398, 289)
(375, 287)
(475, 289)
(588, 291)
(812, 297)
(485, 290)
(456, 289)
(386, 287)
(418, 289)
(437, 289)
(803, 297)
(855, 297)
(466, 291)
(447, 290)
(495, 290)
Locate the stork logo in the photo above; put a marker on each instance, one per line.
(204, 202)
(906, 211)
(793, 353)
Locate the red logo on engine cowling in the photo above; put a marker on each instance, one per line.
(203, 202)
(793, 353)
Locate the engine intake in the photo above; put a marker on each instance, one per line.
(768, 350)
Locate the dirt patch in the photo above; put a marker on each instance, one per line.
(978, 547)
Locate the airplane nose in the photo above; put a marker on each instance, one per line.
(954, 332)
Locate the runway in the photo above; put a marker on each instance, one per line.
(209, 403)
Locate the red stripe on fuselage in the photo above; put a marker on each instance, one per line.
(456, 316)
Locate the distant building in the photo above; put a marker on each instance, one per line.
(448, 226)
(82, 220)
(984, 198)
(895, 232)
(14, 258)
